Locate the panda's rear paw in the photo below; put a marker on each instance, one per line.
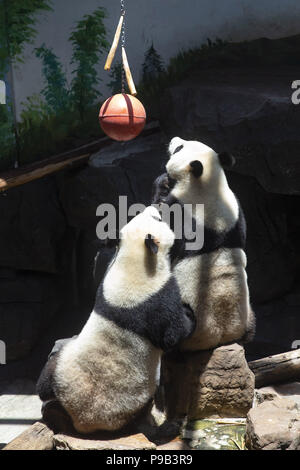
(56, 418)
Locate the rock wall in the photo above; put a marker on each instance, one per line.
(249, 112)
(47, 234)
(50, 262)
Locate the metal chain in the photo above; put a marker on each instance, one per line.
(123, 43)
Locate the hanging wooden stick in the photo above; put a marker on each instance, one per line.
(115, 44)
(128, 73)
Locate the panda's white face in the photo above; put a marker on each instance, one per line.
(149, 222)
(183, 153)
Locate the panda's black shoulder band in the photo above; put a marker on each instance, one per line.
(161, 319)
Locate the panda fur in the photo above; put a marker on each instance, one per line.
(104, 377)
(212, 280)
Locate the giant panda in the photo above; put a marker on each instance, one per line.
(212, 280)
(108, 374)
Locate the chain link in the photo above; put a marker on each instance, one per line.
(123, 43)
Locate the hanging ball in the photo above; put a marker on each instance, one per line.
(122, 117)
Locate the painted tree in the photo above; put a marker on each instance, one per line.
(89, 43)
(17, 27)
(18, 21)
(153, 65)
(116, 78)
(56, 93)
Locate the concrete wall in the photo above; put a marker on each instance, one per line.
(171, 24)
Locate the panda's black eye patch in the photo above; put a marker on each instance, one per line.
(178, 149)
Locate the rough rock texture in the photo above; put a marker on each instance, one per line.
(32, 227)
(249, 110)
(134, 442)
(28, 304)
(274, 425)
(208, 384)
(289, 391)
(40, 437)
(175, 444)
(126, 169)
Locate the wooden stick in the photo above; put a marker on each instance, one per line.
(33, 171)
(274, 369)
(128, 73)
(17, 178)
(114, 46)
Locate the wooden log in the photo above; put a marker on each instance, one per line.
(129, 78)
(11, 177)
(274, 369)
(27, 173)
(114, 46)
(37, 437)
(17, 178)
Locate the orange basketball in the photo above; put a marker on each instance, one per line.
(122, 117)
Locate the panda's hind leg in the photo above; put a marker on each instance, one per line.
(56, 417)
(44, 386)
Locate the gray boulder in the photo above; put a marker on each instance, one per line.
(274, 425)
(208, 384)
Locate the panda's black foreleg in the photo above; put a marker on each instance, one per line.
(180, 329)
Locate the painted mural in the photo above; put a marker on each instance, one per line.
(56, 118)
(52, 54)
(64, 115)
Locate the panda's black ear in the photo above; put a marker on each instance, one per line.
(196, 168)
(152, 244)
(226, 159)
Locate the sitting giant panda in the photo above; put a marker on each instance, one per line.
(212, 280)
(108, 374)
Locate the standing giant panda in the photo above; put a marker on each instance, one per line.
(108, 374)
(212, 280)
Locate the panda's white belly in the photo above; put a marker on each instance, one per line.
(105, 375)
(215, 286)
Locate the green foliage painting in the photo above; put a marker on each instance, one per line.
(63, 115)
(89, 41)
(17, 27)
(19, 20)
(153, 65)
(56, 94)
